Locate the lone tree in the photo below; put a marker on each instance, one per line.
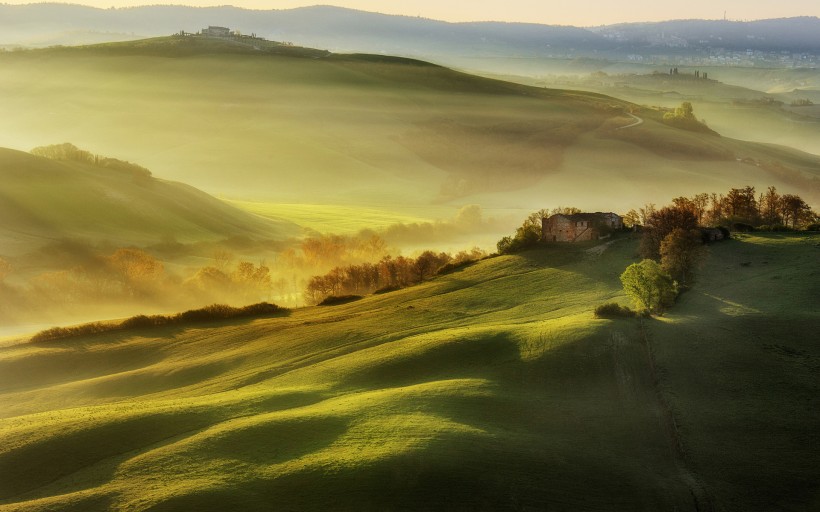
(681, 252)
(649, 286)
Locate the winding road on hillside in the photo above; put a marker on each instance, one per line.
(638, 121)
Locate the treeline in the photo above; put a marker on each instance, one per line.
(673, 237)
(389, 273)
(73, 277)
(740, 209)
(126, 277)
(71, 153)
(207, 314)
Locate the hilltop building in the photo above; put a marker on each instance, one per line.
(579, 227)
(213, 31)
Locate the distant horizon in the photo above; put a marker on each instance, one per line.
(588, 13)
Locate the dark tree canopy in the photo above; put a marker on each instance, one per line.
(662, 222)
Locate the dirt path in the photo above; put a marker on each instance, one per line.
(638, 121)
(701, 499)
(599, 249)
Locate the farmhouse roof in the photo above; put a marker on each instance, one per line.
(575, 217)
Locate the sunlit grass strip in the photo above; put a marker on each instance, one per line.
(206, 314)
(330, 218)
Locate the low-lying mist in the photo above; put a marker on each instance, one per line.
(74, 281)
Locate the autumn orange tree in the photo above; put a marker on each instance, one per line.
(138, 271)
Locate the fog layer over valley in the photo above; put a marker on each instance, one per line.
(376, 156)
(360, 130)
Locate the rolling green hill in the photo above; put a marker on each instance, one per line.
(491, 388)
(45, 200)
(363, 130)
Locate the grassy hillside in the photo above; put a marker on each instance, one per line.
(346, 129)
(43, 200)
(490, 388)
(739, 359)
(756, 108)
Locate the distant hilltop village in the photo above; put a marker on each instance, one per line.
(215, 32)
(219, 33)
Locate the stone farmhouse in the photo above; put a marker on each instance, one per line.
(579, 227)
(216, 32)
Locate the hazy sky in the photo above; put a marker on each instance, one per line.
(565, 12)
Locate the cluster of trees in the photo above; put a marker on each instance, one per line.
(71, 153)
(684, 117)
(325, 251)
(740, 208)
(698, 74)
(674, 253)
(672, 242)
(81, 276)
(672, 246)
(246, 282)
(389, 273)
(127, 273)
(135, 276)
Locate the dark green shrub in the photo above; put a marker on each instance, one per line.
(387, 289)
(260, 309)
(339, 299)
(613, 310)
(726, 233)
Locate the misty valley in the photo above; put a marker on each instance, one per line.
(462, 267)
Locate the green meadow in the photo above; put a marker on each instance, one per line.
(333, 218)
(490, 388)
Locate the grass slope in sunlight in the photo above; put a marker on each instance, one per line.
(490, 388)
(331, 218)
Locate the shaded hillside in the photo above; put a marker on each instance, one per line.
(43, 200)
(489, 388)
(352, 129)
